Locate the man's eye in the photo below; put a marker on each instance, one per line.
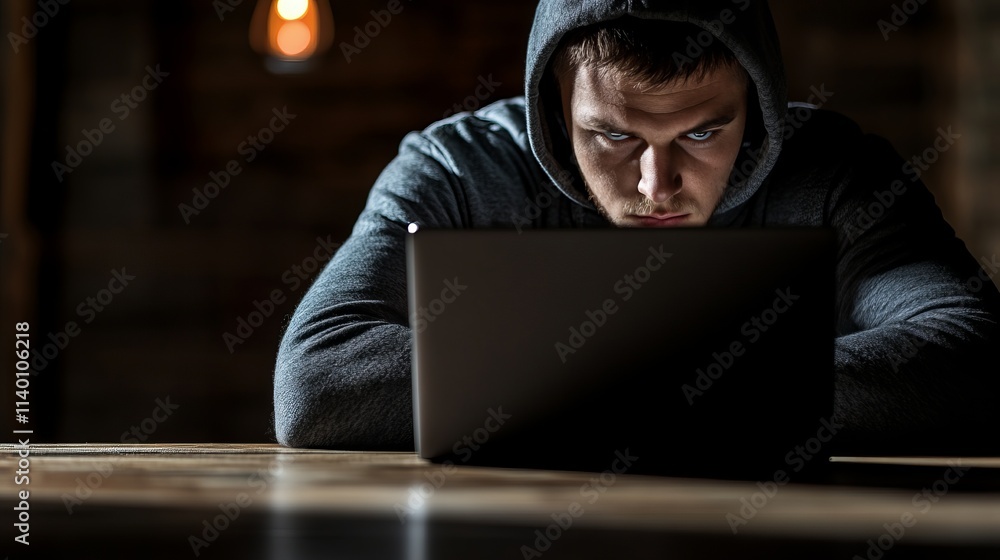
(616, 137)
(701, 136)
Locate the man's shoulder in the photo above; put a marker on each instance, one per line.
(809, 127)
(478, 164)
(500, 124)
(820, 142)
(825, 156)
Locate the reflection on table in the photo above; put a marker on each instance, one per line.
(264, 501)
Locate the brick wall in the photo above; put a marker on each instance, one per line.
(897, 80)
(978, 62)
(198, 275)
(905, 69)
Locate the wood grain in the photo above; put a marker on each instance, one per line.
(381, 484)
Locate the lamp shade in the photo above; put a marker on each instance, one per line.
(291, 30)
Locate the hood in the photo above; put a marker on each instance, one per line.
(751, 36)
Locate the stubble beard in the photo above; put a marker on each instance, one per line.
(677, 204)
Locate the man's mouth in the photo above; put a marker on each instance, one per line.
(659, 219)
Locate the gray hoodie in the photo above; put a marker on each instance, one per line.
(917, 315)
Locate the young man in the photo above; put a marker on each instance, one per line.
(623, 125)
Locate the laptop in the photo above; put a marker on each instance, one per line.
(685, 352)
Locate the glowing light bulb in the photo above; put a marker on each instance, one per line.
(293, 38)
(292, 9)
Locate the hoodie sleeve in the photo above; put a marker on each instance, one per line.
(342, 377)
(915, 365)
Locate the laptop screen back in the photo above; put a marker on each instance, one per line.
(699, 351)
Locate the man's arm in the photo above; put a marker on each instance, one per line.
(342, 377)
(916, 365)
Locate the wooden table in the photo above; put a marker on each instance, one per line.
(264, 501)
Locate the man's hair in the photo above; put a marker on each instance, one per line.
(650, 52)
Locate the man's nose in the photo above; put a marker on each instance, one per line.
(660, 178)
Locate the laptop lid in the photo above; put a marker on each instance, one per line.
(698, 351)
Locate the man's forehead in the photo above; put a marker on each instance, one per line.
(597, 91)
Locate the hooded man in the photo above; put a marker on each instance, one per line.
(661, 113)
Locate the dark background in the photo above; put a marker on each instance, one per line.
(162, 336)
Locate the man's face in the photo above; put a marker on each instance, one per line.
(655, 157)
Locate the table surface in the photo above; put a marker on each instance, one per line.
(266, 501)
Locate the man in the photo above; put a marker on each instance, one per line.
(623, 125)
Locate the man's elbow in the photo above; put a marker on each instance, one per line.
(297, 414)
(294, 424)
(322, 430)
(319, 409)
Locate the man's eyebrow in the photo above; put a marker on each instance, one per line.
(721, 120)
(595, 122)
